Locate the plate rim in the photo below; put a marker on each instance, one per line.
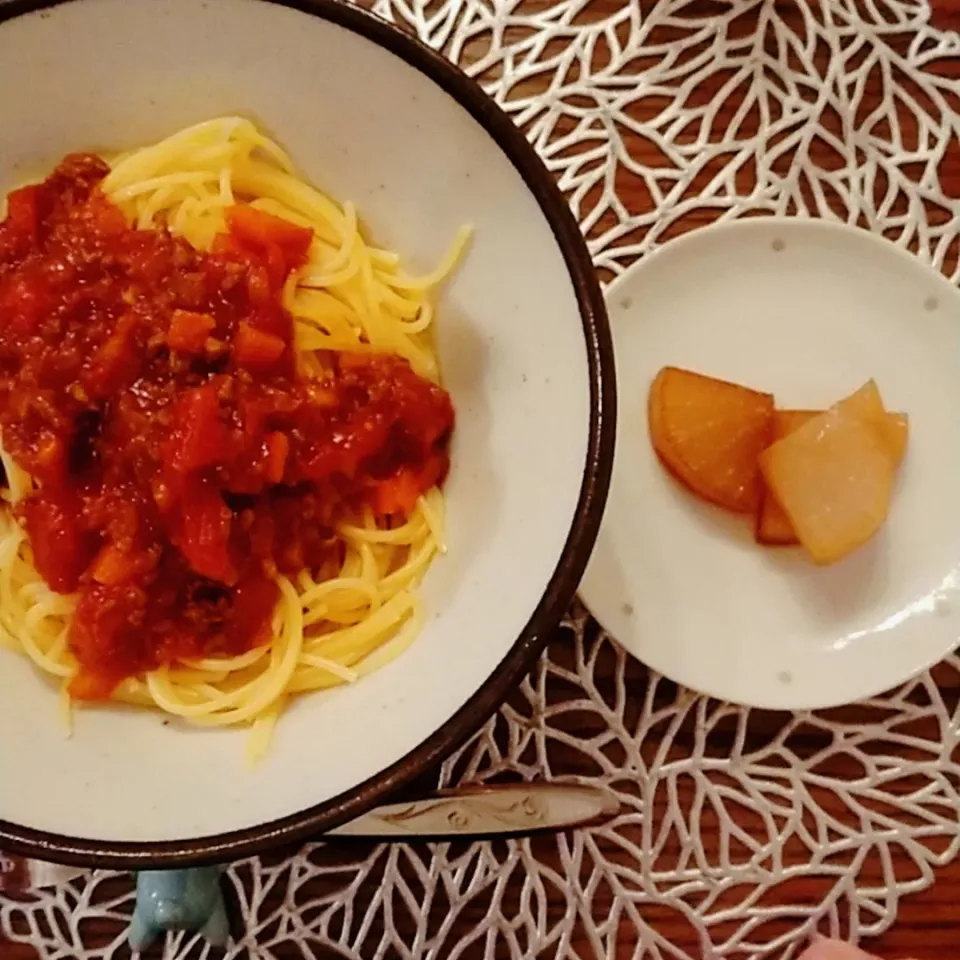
(314, 820)
(757, 222)
(744, 225)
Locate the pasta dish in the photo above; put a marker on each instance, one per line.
(223, 431)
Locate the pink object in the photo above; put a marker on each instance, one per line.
(835, 950)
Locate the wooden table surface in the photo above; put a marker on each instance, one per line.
(928, 925)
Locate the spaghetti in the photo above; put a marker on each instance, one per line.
(251, 432)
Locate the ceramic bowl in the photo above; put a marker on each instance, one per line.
(370, 115)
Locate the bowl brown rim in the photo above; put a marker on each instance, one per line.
(314, 821)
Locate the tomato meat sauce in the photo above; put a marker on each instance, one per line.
(181, 461)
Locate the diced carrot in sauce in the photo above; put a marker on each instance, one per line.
(189, 331)
(255, 349)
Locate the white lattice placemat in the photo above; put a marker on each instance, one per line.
(657, 117)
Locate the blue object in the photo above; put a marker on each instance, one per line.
(179, 900)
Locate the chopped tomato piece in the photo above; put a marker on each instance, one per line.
(434, 471)
(205, 533)
(23, 211)
(259, 230)
(255, 349)
(112, 565)
(23, 302)
(354, 360)
(226, 245)
(189, 331)
(276, 264)
(253, 601)
(101, 634)
(265, 267)
(259, 288)
(271, 320)
(47, 460)
(89, 685)
(260, 535)
(399, 494)
(278, 446)
(254, 418)
(344, 458)
(105, 217)
(116, 363)
(61, 550)
(200, 438)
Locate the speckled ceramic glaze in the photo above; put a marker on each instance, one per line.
(373, 117)
(808, 311)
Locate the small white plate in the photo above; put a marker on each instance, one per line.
(808, 311)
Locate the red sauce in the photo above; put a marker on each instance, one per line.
(182, 461)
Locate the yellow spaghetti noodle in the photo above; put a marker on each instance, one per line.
(330, 626)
